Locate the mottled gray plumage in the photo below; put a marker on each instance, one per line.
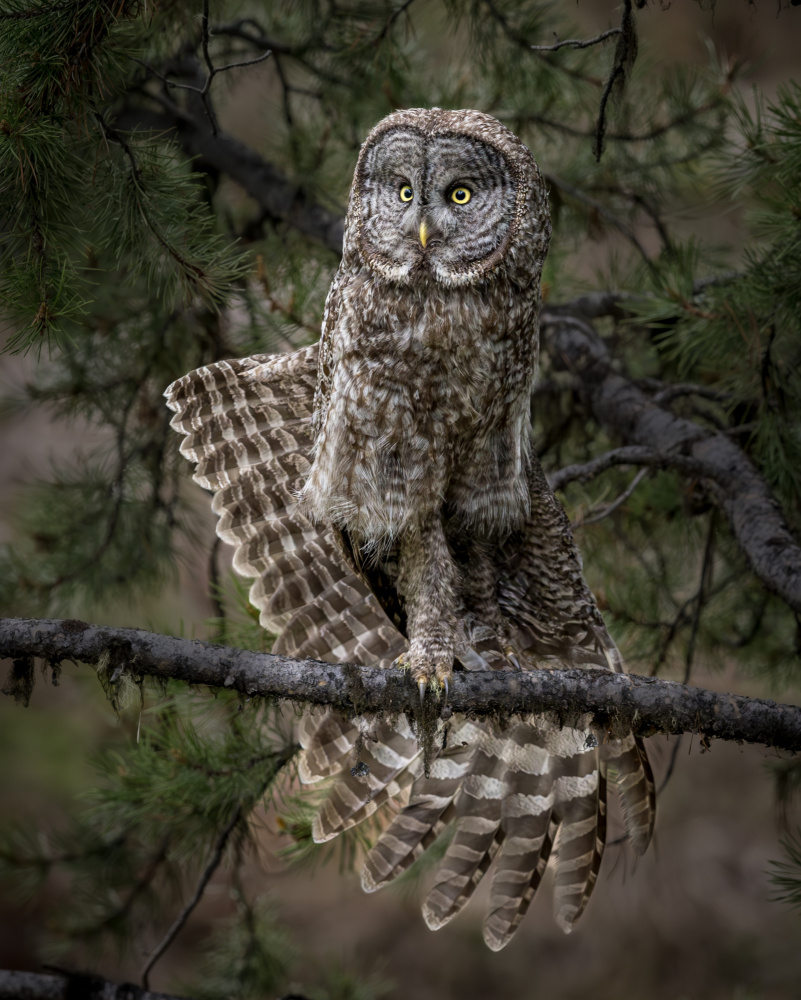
(381, 490)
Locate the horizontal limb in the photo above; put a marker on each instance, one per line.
(618, 702)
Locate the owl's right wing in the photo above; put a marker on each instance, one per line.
(247, 425)
(537, 790)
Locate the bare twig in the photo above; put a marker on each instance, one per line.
(203, 881)
(631, 455)
(654, 132)
(703, 586)
(603, 210)
(390, 23)
(576, 43)
(523, 43)
(620, 703)
(617, 502)
(211, 70)
(674, 754)
(625, 54)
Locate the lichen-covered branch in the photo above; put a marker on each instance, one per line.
(618, 702)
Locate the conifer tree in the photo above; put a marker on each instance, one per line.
(140, 239)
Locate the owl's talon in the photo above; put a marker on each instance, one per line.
(511, 655)
(422, 687)
(447, 688)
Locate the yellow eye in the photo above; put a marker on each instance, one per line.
(461, 195)
(406, 193)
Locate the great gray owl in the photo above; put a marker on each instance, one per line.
(381, 489)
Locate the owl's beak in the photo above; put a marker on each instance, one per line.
(423, 233)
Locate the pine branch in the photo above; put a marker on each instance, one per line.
(36, 986)
(618, 702)
(736, 486)
(277, 195)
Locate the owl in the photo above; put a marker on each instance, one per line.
(381, 491)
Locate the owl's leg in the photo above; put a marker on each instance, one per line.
(479, 592)
(428, 582)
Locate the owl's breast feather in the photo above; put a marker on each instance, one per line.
(428, 405)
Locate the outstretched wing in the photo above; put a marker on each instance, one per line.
(247, 426)
(516, 796)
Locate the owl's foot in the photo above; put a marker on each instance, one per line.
(430, 664)
(500, 656)
(486, 647)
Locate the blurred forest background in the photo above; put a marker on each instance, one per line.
(160, 208)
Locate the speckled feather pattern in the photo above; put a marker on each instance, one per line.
(389, 468)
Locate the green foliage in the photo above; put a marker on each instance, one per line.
(786, 875)
(251, 957)
(163, 803)
(742, 337)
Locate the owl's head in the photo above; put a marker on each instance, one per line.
(449, 197)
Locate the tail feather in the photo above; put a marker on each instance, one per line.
(384, 756)
(635, 782)
(526, 823)
(580, 841)
(328, 739)
(511, 897)
(430, 808)
(553, 792)
(477, 833)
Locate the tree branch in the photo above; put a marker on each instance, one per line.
(622, 408)
(618, 702)
(184, 915)
(576, 43)
(630, 455)
(277, 195)
(36, 986)
(625, 54)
